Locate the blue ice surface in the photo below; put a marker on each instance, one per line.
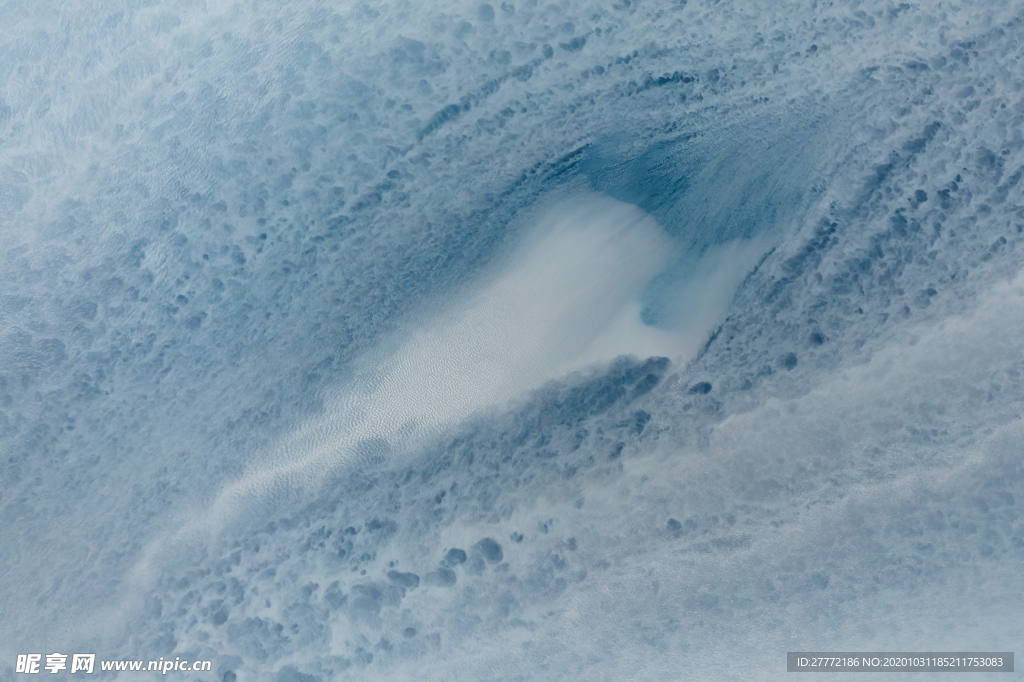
(236, 424)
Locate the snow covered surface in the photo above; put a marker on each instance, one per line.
(639, 339)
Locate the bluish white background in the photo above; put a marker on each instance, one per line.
(584, 340)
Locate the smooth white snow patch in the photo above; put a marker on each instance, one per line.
(568, 298)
